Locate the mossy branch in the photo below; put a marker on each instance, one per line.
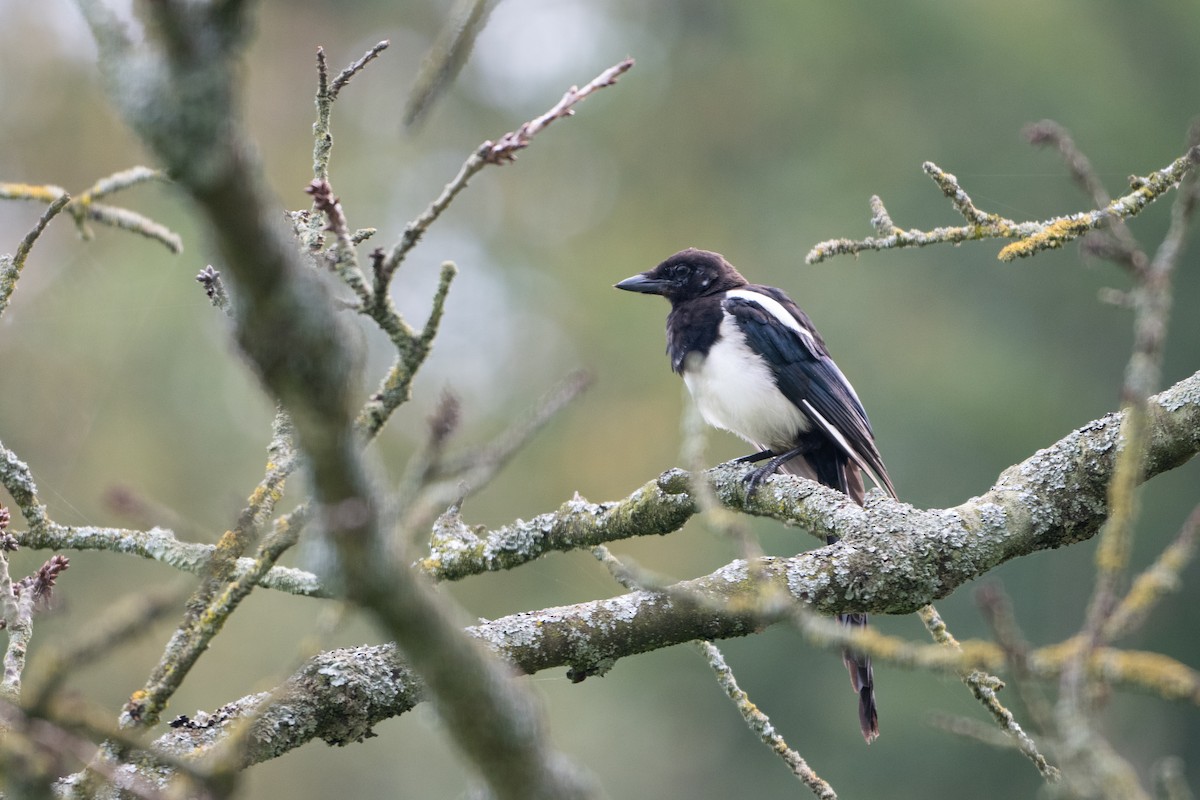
(1032, 237)
(896, 557)
(372, 683)
(84, 207)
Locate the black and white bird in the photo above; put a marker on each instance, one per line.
(756, 366)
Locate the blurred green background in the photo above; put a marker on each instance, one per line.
(754, 129)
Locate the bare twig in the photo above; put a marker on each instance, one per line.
(353, 69)
(477, 466)
(11, 266)
(1050, 133)
(436, 479)
(220, 593)
(1091, 759)
(752, 715)
(447, 56)
(997, 612)
(84, 208)
(489, 152)
(985, 687)
(1158, 579)
(125, 620)
(1032, 236)
(760, 723)
(505, 148)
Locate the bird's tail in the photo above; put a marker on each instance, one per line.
(849, 480)
(862, 678)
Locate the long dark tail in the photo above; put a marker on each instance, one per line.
(862, 678)
(839, 474)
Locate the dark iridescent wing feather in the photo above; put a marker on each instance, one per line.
(778, 330)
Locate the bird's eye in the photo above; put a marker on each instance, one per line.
(679, 271)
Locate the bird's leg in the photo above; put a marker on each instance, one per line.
(754, 458)
(760, 474)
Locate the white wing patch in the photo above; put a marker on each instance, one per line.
(776, 310)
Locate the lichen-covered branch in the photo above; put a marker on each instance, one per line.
(760, 723)
(985, 688)
(1046, 493)
(18, 625)
(160, 544)
(327, 92)
(369, 684)
(754, 717)
(84, 208)
(221, 591)
(1031, 237)
(180, 94)
(894, 558)
(11, 265)
(1089, 758)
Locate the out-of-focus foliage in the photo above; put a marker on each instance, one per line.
(755, 129)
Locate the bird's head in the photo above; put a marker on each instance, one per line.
(685, 276)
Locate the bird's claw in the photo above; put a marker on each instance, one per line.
(756, 477)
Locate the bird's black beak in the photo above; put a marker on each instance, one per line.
(642, 283)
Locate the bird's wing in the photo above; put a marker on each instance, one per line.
(782, 334)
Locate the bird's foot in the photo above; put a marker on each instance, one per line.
(757, 476)
(760, 474)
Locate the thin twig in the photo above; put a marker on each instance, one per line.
(11, 266)
(84, 208)
(447, 57)
(123, 621)
(353, 69)
(220, 593)
(752, 715)
(760, 723)
(1158, 579)
(412, 348)
(998, 613)
(505, 148)
(1088, 755)
(499, 152)
(1032, 236)
(985, 687)
(327, 92)
(345, 257)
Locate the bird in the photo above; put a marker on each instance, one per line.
(756, 366)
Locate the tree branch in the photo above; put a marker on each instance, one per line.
(894, 558)
(1031, 237)
(1050, 500)
(180, 95)
(369, 684)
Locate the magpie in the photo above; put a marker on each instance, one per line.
(756, 366)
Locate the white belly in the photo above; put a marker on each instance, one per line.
(736, 391)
